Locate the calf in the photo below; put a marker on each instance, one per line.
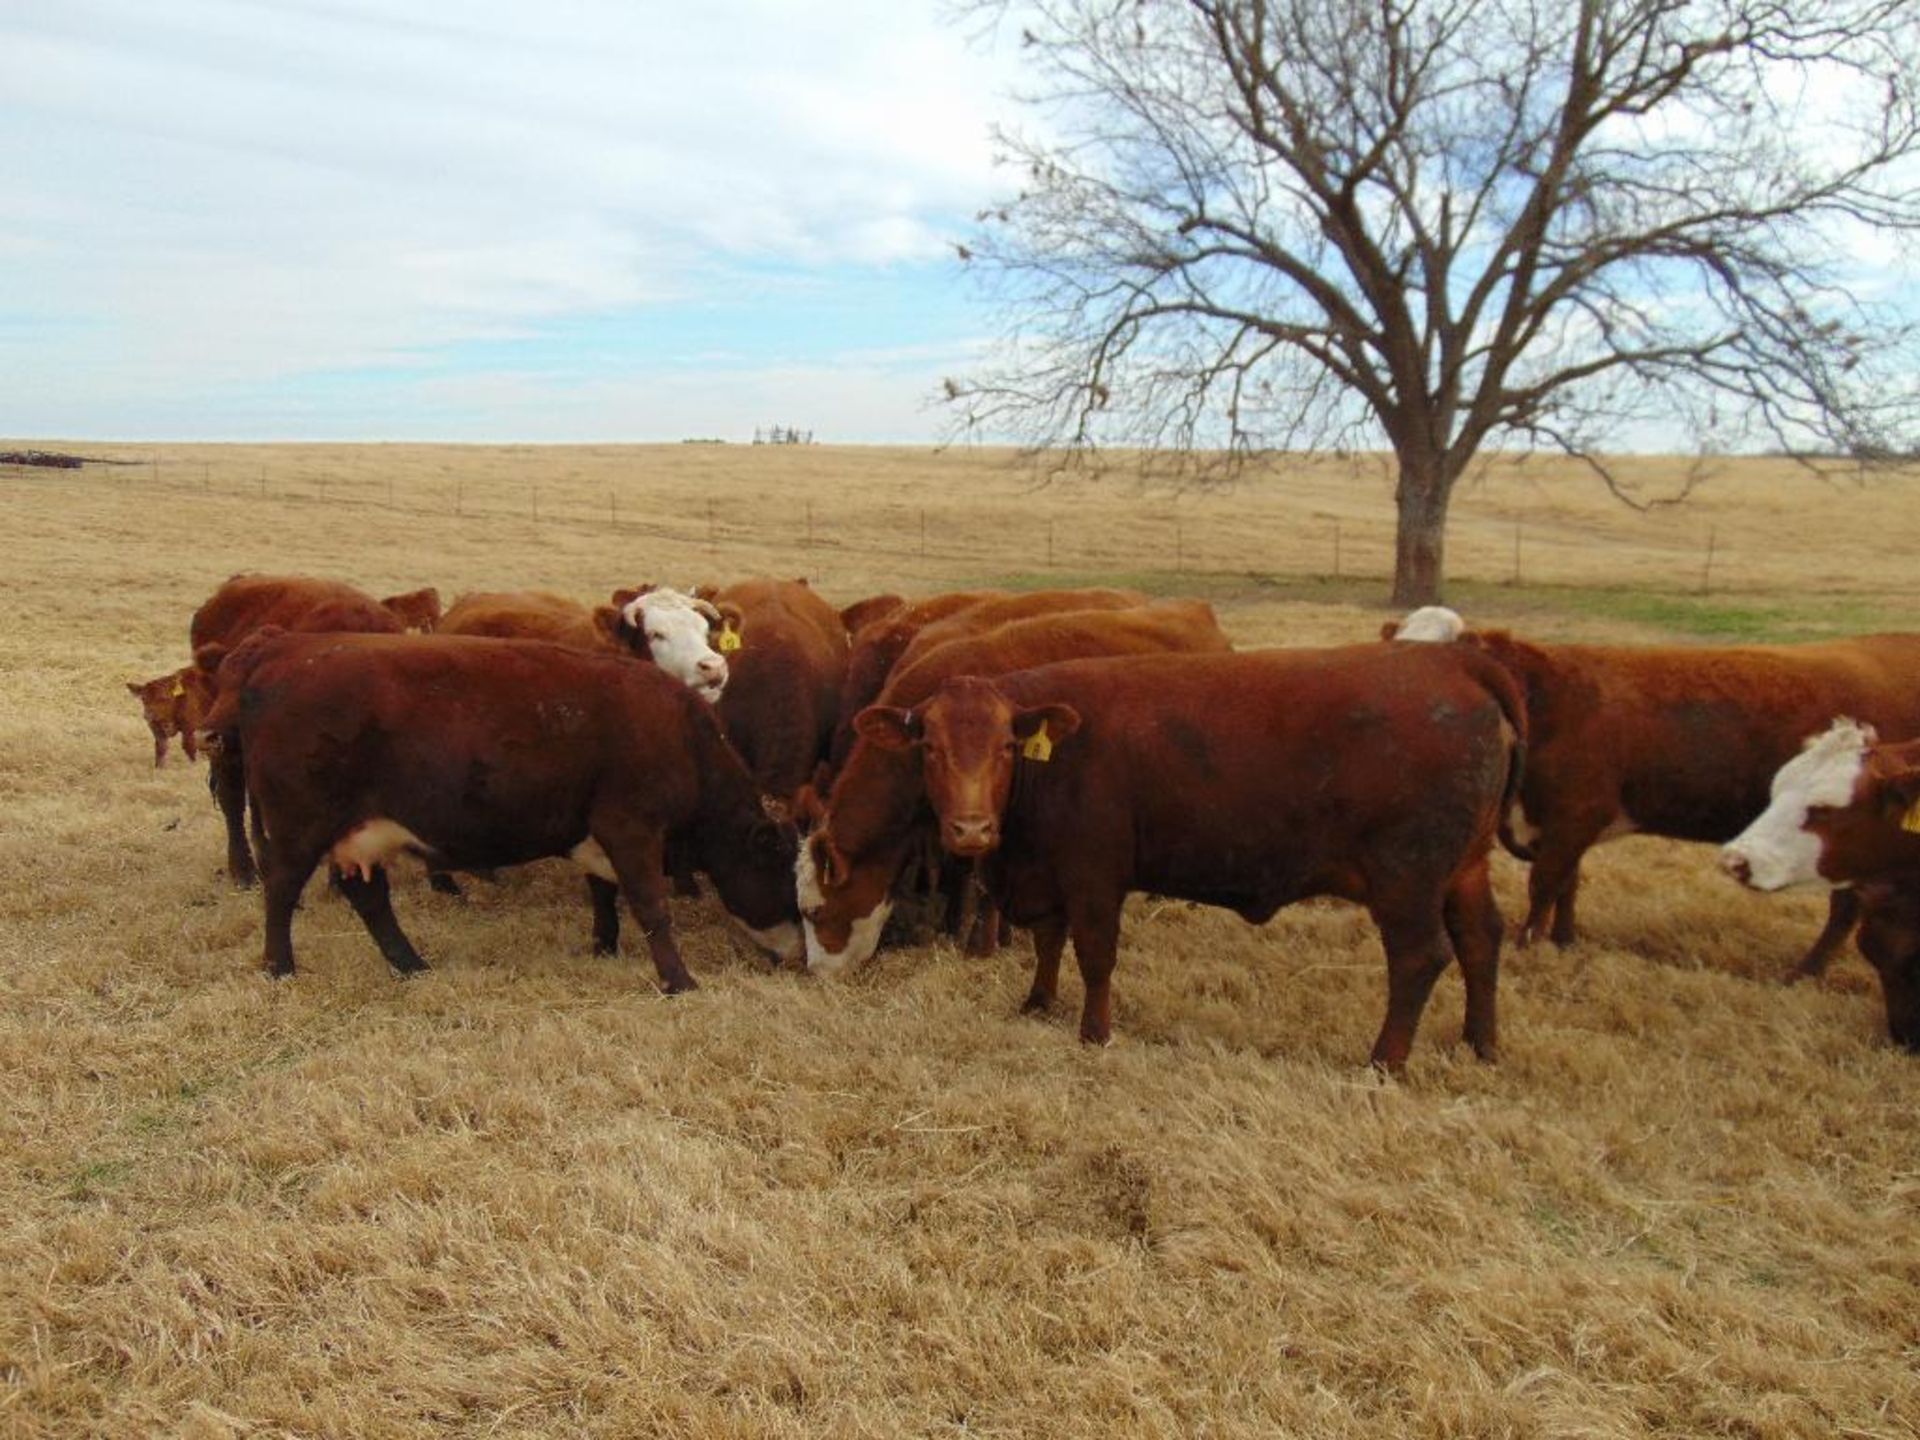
(788, 650)
(1375, 774)
(1679, 742)
(473, 753)
(173, 704)
(1845, 812)
(871, 823)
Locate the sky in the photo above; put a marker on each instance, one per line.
(487, 220)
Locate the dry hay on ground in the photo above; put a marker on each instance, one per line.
(525, 1196)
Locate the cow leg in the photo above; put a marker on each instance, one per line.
(159, 744)
(287, 869)
(1843, 913)
(1096, 946)
(1551, 883)
(1049, 939)
(229, 780)
(639, 860)
(372, 901)
(1474, 925)
(189, 744)
(442, 882)
(1417, 951)
(604, 897)
(1563, 932)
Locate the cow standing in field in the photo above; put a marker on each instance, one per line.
(299, 603)
(173, 704)
(1248, 781)
(1845, 812)
(673, 630)
(474, 753)
(875, 817)
(882, 649)
(1679, 742)
(788, 650)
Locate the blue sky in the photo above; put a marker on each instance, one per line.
(577, 220)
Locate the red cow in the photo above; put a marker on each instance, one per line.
(871, 823)
(1375, 774)
(475, 753)
(1845, 812)
(173, 704)
(417, 609)
(1679, 742)
(884, 649)
(788, 650)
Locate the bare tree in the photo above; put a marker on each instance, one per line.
(1249, 225)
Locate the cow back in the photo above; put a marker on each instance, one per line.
(524, 615)
(296, 603)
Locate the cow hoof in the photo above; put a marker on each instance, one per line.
(1036, 1004)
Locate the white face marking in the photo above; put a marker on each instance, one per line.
(864, 937)
(1431, 624)
(862, 940)
(591, 858)
(1777, 850)
(677, 639)
(367, 847)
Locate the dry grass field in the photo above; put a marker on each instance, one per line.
(526, 1196)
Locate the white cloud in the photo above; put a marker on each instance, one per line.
(210, 192)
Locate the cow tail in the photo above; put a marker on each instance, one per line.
(1513, 708)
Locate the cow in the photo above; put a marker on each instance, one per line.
(472, 752)
(885, 648)
(243, 605)
(870, 823)
(1845, 812)
(673, 630)
(1377, 774)
(1679, 742)
(173, 704)
(861, 613)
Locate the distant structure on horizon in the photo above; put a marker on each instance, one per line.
(782, 435)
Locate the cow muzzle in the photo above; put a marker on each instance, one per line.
(970, 835)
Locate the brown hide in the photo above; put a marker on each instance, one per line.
(785, 677)
(527, 615)
(879, 643)
(869, 825)
(417, 609)
(1677, 741)
(293, 602)
(1250, 781)
(490, 752)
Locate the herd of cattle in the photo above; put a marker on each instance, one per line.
(1031, 759)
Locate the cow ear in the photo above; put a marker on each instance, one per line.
(612, 624)
(829, 865)
(732, 617)
(1058, 720)
(627, 594)
(133, 689)
(888, 726)
(1900, 797)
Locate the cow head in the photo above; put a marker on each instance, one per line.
(417, 609)
(844, 904)
(674, 630)
(1827, 816)
(970, 736)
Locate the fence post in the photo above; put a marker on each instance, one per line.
(1336, 549)
(1706, 572)
(1516, 550)
(536, 500)
(1179, 548)
(923, 533)
(460, 497)
(1049, 542)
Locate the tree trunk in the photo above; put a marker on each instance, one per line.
(1420, 535)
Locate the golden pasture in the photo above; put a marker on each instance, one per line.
(526, 1196)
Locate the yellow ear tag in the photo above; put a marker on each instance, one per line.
(1910, 822)
(179, 689)
(1039, 746)
(729, 640)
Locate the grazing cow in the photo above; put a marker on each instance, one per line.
(1679, 742)
(871, 823)
(173, 704)
(417, 609)
(1376, 774)
(882, 650)
(1845, 812)
(475, 753)
(788, 649)
(669, 628)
